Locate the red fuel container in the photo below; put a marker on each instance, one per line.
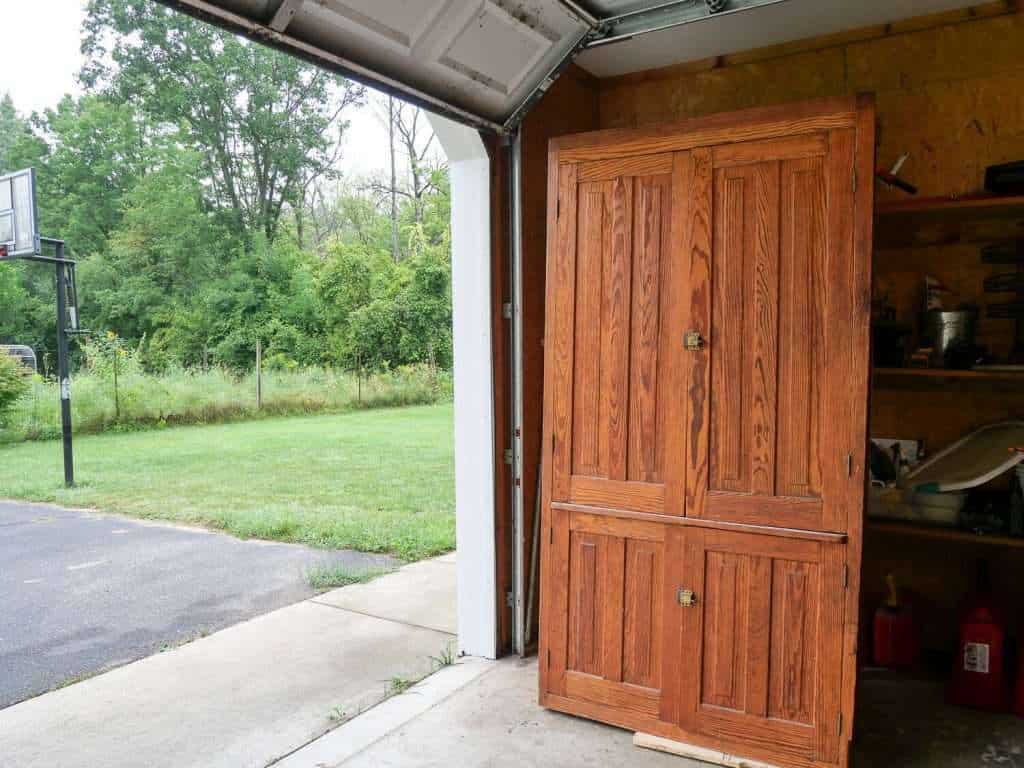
(979, 676)
(895, 637)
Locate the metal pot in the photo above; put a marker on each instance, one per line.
(947, 331)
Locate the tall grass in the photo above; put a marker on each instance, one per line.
(214, 396)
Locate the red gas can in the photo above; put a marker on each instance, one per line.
(979, 678)
(895, 640)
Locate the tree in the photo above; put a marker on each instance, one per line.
(266, 125)
(408, 133)
(13, 128)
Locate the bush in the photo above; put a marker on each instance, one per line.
(14, 383)
(180, 396)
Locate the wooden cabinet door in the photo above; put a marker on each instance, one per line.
(779, 395)
(614, 364)
(760, 651)
(706, 384)
(604, 611)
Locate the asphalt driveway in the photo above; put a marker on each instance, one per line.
(81, 592)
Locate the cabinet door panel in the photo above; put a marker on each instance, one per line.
(781, 318)
(616, 395)
(614, 600)
(763, 642)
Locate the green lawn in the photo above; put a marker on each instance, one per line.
(377, 481)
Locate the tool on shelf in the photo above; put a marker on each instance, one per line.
(891, 177)
(1007, 252)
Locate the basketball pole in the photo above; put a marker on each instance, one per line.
(63, 366)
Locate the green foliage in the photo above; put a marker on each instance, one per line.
(179, 396)
(14, 383)
(195, 182)
(266, 124)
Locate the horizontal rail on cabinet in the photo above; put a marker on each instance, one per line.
(829, 537)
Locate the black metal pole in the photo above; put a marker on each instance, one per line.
(63, 372)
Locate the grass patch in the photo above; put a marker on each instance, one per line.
(334, 576)
(399, 685)
(375, 481)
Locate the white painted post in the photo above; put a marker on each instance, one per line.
(470, 173)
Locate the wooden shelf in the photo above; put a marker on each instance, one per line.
(940, 220)
(909, 377)
(942, 534)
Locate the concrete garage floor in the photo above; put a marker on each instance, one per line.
(250, 694)
(480, 713)
(83, 591)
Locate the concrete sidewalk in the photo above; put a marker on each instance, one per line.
(250, 694)
(476, 713)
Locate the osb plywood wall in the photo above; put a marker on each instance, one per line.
(949, 90)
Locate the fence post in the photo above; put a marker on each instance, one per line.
(259, 374)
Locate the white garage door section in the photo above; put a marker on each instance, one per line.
(480, 61)
(484, 57)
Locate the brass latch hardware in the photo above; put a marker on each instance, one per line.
(686, 598)
(693, 341)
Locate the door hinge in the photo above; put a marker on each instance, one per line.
(849, 465)
(551, 535)
(846, 577)
(552, 442)
(558, 208)
(509, 601)
(840, 723)
(855, 180)
(508, 455)
(549, 658)
(506, 310)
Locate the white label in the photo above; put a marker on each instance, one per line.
(976, 657)
(65, 389)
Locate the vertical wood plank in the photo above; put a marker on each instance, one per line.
(841, 379)
(651, 217)
(561, 327)
(616, 298)
(588, 402)
(802, 339)
(762, 328)
(725, 597)
(759, 618)
(555, 603)
(612, 598)
(671, 648)
(676, 373)
(795, 641)
(829, 674)
(692, 631)
(697, 251)
(644, 605)
(730, 359)
(586, 614)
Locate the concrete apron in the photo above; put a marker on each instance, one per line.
(250, 694)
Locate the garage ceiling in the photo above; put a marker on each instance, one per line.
(481, 61)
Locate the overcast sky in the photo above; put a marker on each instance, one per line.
(41, 51)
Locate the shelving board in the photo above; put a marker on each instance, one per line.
(942, 534)
(942, 220)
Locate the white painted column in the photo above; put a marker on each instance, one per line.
(470, 172)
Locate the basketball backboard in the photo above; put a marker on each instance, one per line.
(19, 224)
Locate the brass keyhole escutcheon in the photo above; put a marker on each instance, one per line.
(693, 341)
(687, 598)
